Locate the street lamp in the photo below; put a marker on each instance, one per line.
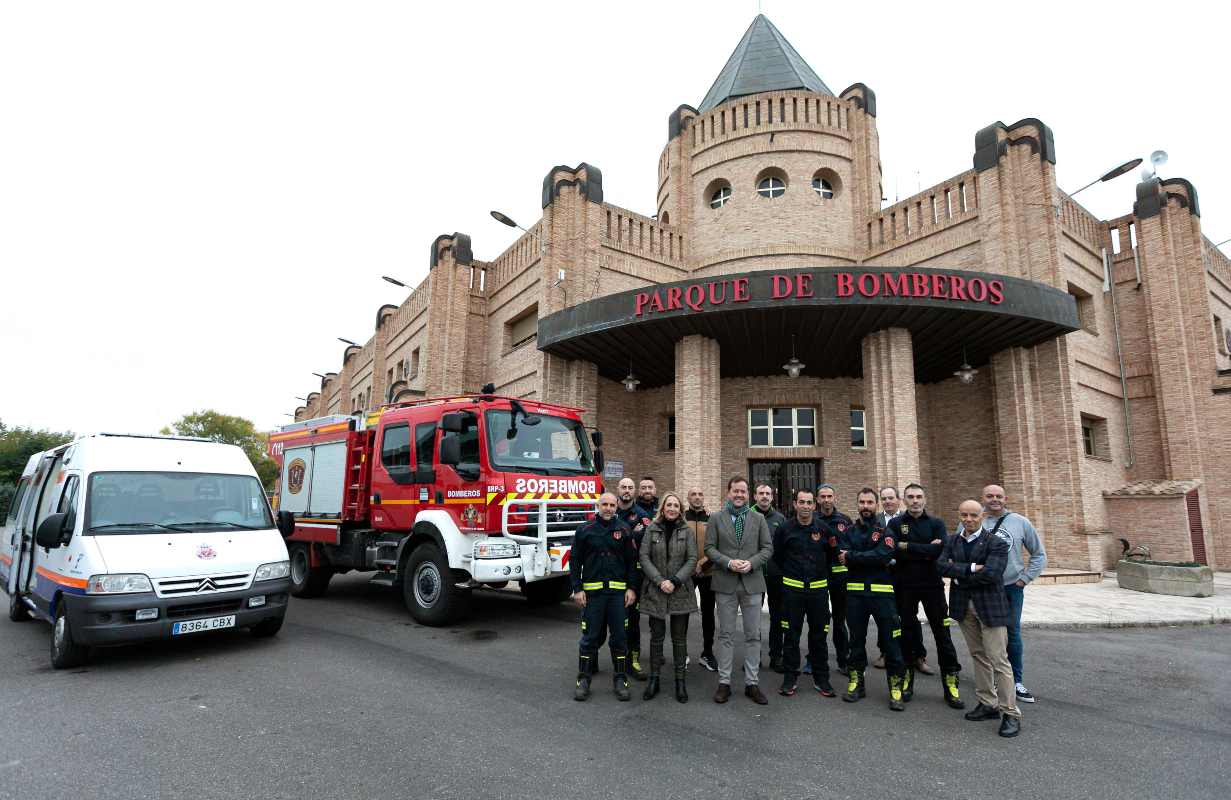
(322, 377)
(630, 382)
(301, 398)
(1224, 241)
(1127, 166)
(505, 219)
(347, 341)
(794, 366)
(394, 281)
(966, 373)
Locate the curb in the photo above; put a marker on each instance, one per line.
(1077, 625)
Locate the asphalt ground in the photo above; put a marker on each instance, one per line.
(354, 700)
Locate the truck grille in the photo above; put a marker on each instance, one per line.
(562, 518)
(203, 609)
(202, 584)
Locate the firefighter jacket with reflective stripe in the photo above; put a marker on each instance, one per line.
(916, 555)
(868, 554)
(802, 554)
(603, 557)
(838, 523)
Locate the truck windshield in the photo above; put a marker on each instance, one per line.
(137, 502)
(554, 446)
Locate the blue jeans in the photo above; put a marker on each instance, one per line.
(1016, 595)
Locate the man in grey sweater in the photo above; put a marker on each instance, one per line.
(1017, 573)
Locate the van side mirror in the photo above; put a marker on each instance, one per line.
(50, 531)
(450, 447)
(597, 438)
(286, 524)
(452, 423)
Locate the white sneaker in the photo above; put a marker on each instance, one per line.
(1023, 693)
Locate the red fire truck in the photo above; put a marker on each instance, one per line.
(439, 497)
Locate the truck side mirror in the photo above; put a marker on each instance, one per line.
(450, 449)
(50, 531)
(286, 524)
(452, 423)
(597, 438)
(599, 461)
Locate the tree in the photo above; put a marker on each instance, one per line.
(229, 429)
(16, 447)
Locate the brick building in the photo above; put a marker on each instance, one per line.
(1099, 392)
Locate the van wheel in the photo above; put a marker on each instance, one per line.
(429, 589)
(17, 609)
(65, 653)
(307, 580)
(268, 627)
(548, 592)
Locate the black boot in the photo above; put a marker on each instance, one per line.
(656, 665)
(908, 685)
(854, 687)
(951, 694)
(619, 662)
(895, 693)
(679, 659)
(651, 687)
(581, 691)
(635, 666)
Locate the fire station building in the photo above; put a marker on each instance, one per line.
(771, 318)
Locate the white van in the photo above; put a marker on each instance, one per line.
(115, 539)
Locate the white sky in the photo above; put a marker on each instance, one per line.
(197, 198)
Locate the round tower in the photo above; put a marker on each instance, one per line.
(772, 169)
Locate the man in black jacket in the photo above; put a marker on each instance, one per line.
(637, 513)
(828, 513)
(919, 539)
(975, 560)
(764, 495)
(866, 551)
(802, 553)
(602, 571)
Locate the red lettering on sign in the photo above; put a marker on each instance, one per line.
(720, 299)
(694, 302)
(896, 286)
(782, 287)
(673, 298)
(642, 299)
(977, 289)
(919, 284)
(846, 285)
(996, 290)
(741, 290)
(869, 284)
(803, 284)
(958, 290)
(940, 288)
(656, 302)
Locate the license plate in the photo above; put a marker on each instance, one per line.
(201, 625)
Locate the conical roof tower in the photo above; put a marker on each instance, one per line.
(763, 61)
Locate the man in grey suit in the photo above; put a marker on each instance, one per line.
(739, 544)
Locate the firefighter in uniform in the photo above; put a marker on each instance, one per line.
(802, 547)
(838, 522)
(637, 514)
(602, 570)
(867, 552)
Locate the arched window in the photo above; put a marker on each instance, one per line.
(771, 187)
(720, 197)
(826, 184)
(823, 187)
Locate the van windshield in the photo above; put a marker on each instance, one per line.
(553, 446)
(138, 502)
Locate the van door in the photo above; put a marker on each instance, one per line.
(8, 538)
(26, 556)
(45, 580)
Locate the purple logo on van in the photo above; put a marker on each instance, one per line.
(205, 551)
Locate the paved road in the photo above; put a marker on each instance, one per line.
(353, 699)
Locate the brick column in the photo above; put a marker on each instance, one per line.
(889, 398)
(698, 418)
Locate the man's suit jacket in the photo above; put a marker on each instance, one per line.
(721, 548)
(984, 588)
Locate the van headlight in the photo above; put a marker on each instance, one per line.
(496, 548)
(118, 584)
(268, 572)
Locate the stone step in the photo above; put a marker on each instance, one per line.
(1053, 577)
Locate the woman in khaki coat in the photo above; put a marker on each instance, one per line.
(668, 557)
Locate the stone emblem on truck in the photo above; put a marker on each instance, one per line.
(295, 475)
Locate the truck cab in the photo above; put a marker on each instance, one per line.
(439, 497)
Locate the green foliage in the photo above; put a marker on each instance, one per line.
(16, 447)
(229, 429)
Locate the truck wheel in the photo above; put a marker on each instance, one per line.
(65, 653)
(268, 627)
(17, 609)
(546, 593)
(306, 580)
(429, 589)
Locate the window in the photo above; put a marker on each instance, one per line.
(15, 505)
(389, 379)
(414, 364)
(1094, 441)
(180, 502)
(425, 444)
(524, 328)
(720, 197)
(395, 447)
(771, 187)
(781, 427)
(68, 501)
(671, 432)
(823, 187)
(468, 438)
(1085, 309)
(859, 428)
(1221, 337)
